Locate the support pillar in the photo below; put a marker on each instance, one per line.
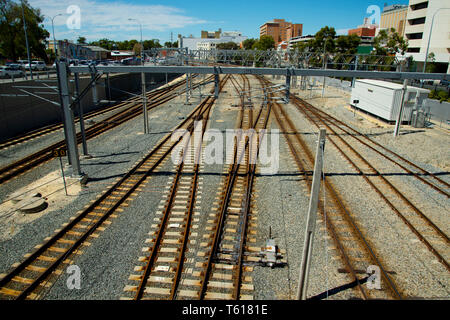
(144, 103)
(400, 112)
(312, 217)
(71, 141)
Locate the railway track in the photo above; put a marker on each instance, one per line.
(409, 167)
(162, 268)
(436, 241)
(51, 128)
(355, 250)
(28, 279)
(172, 269)
(225, 272)
(23, 165)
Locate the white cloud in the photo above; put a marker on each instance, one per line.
(111, 18)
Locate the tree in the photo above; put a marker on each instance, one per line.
(227, 46)
(169, 44)
(154, 43)
(389, 42)
(324, 39)
(248, 44)
(266, 42)
(81, 40)
(12, 37)
(137, 48)
(348, 44)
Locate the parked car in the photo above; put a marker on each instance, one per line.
(36, 65)
(9, 72)
(445, 83)
(22, 63)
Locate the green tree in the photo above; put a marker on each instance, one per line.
(227, 46)
(169, 44)
(81, 40)
(324, 38)
(248, 44)
(12, 37)
(137, 49)
(266, 42)
(348, 44)
(389, 42)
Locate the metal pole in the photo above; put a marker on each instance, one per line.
(400, 112)
(312, 216)
(108, 83)
(288, 88)
(187, 88)
(80, 113)
(71, 141)
(94, 90)
(26, 40)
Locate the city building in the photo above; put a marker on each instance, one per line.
(281, 30)
(418, 25)
(51, 45)
(192, 43)
(100, 53)
(365, 30)
(206, 45)
(121, 54)
(394, 16)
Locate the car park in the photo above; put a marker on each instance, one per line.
(10, 72)
(36, 66)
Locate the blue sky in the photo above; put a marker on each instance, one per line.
(109, 18)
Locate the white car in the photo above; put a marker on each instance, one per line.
(9, 72)
(36, 65)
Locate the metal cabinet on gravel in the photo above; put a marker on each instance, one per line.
(383, 99)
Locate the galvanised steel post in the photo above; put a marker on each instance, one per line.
(26, 40)
(312, 217)
(81, 116)
(400, 112)
(71, 140)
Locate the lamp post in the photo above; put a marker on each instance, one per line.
(26, 39)
(144, 96)
(54, 39)
(429, 37)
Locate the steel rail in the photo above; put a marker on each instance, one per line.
(330, 119)
(343, 210)
(229, 187)
(150, 260)
(53, 240)
(12, 170)
(383, 196)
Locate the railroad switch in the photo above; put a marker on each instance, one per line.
(271, 255)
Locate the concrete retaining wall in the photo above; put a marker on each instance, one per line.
(20, 114)
(439, 111)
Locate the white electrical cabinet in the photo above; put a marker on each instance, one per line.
(383, 99)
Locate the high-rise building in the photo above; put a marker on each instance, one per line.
(281, 30)
(418, 25)
(394, 16)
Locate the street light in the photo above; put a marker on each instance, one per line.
(54, 39)
(53, 30)
(429, 37)
(144, 96)
(26, 39)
